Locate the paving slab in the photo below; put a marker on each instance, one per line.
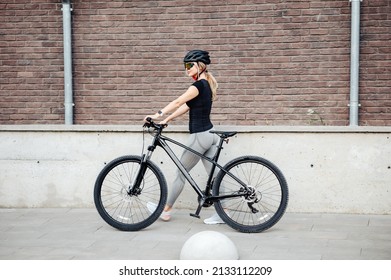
(80, 234)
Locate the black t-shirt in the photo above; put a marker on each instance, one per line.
(200, 108)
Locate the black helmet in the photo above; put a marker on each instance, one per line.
(197, 55)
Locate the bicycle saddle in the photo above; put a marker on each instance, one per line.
(224, 134)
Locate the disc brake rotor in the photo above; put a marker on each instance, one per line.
(253, 196)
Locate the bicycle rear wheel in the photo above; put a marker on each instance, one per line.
(259, 209)
(122, 209)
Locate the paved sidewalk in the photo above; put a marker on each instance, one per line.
(64, 234)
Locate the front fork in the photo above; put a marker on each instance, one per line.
(135, 188)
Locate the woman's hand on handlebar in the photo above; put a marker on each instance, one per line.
(152, 117)
(164, 123)
(149, 120)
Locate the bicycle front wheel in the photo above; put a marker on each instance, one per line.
(263, 201)
(125, 210)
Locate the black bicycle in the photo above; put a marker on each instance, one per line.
(249, 193)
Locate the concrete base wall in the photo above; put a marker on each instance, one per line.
(328, 169)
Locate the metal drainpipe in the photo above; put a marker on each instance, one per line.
(67, 30)
(354, 62)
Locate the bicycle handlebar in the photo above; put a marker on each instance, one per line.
(151, 123)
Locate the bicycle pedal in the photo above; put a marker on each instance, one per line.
(195, 215)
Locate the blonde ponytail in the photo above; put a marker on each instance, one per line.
(213, 84)
(211, 80)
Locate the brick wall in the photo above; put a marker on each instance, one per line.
(31, 52)
(277, 62)
(375, 63)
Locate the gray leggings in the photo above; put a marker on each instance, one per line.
(202, 142)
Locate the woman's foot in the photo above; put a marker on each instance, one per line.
(214, 220)
(165, 216)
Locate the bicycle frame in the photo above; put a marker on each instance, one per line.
(162, 143)
(206, 196)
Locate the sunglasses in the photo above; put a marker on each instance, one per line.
(189, 65)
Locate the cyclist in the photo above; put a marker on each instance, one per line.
(197, 100)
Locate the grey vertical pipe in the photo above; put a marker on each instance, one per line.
(68, 86)
(354, 62)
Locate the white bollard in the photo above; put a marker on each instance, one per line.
(209, 245)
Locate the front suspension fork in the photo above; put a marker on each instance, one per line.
(134, 188)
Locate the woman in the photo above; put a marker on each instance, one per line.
(197, 100)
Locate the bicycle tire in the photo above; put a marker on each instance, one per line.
(118, 208)
(270, 197)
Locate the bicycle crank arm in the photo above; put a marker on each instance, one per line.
(197, 213)
(201, 201)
